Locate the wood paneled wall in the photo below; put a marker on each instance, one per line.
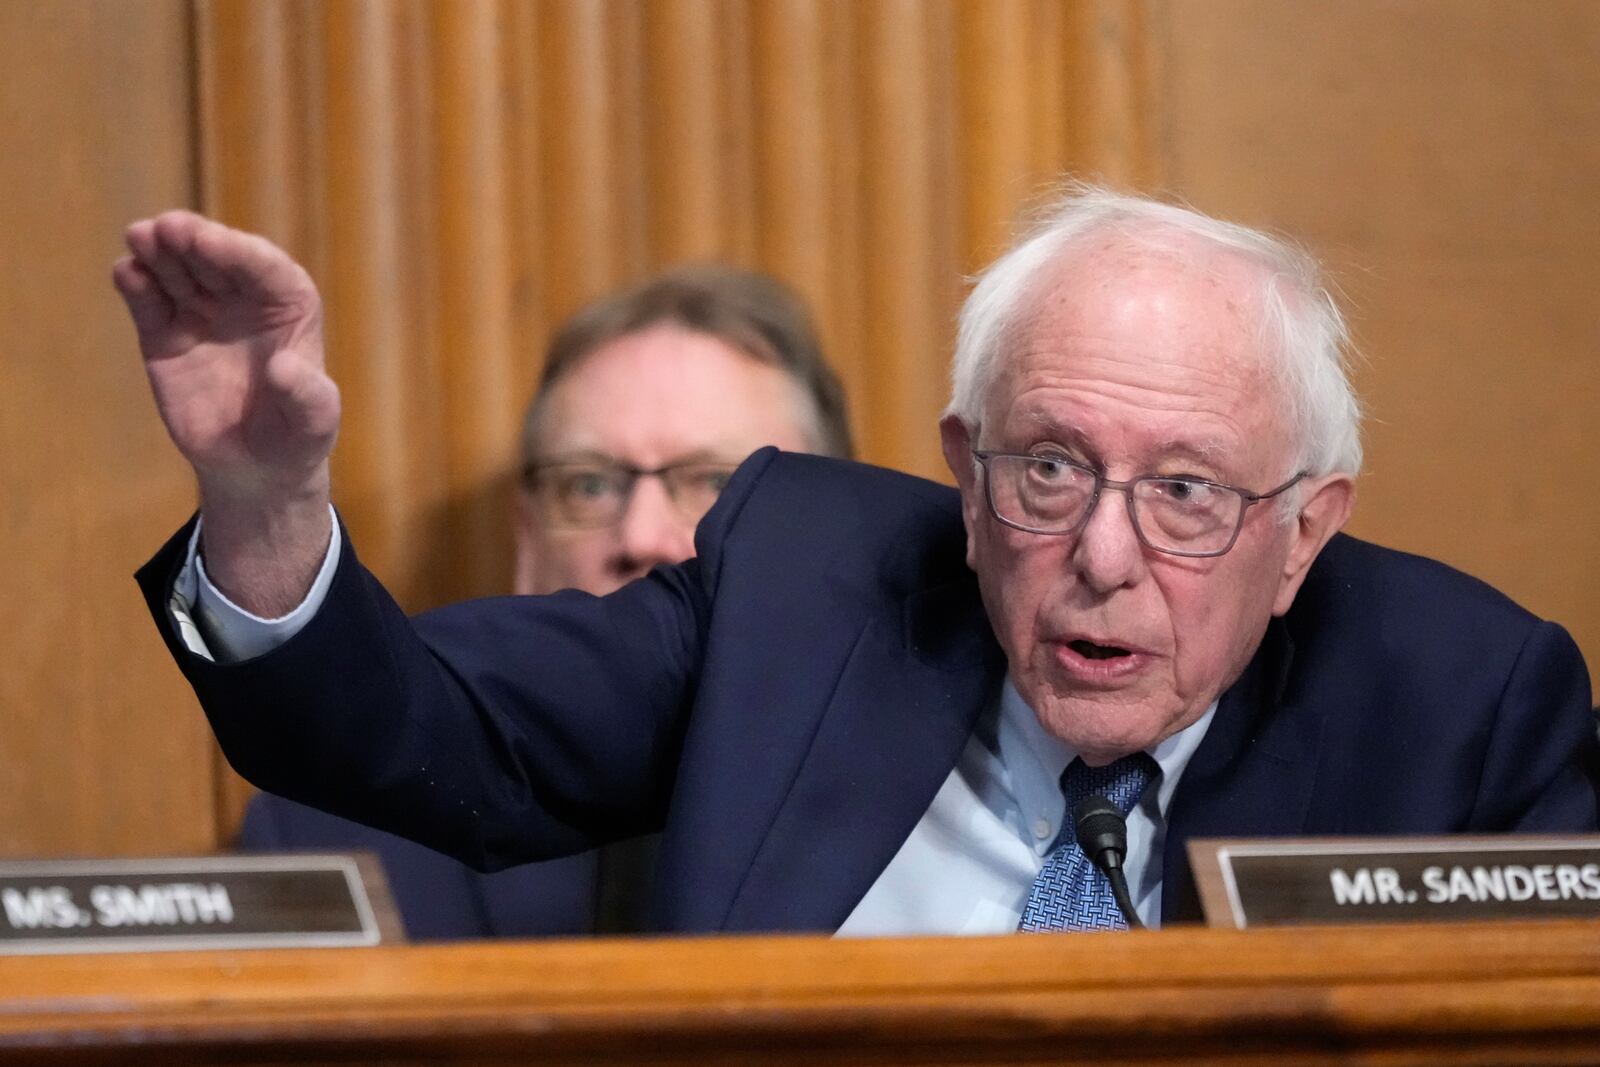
(101, 750)
(1443, 157)
(460, 175)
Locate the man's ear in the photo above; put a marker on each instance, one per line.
(956, 438)
(1327, 508)
(525, 528)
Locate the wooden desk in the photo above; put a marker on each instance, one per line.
(1458, 995)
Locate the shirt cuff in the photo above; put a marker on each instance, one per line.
(215, 628)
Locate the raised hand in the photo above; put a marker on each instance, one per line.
(231, 331)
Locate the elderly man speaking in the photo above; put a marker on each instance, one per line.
(870, 703)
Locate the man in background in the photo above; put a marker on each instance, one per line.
(649, 399)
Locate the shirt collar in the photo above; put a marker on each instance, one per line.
(1034, 759)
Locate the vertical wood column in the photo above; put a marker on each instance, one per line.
(1116, 63)
(476, 283)
(378, 280)
(587, 175)
(688, 140)
(803, 169)
(996, 105)
(910, 280)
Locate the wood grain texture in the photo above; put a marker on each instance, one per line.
(1116, 63)
(1443, 157)
(480, 408)
(1524, 994)
(996, 101)
(792, 45)
(104, 750)
(689, 101)
(380, 275)
(909, 279)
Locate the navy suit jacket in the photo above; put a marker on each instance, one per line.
(784, 706)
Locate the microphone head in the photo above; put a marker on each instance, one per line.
(1102, 831)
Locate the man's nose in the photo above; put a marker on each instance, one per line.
(653, 530)
(1108, 552)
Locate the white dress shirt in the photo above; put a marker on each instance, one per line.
(967, 865)
(970, 861)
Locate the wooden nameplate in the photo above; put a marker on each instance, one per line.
(303, 900)
(1283, 882)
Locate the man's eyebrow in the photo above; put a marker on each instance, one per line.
(1206, 458)
(1204, 448)
(704, 455)
(564, 458)
(1207, 450)
(589, 456)
(1066, 433)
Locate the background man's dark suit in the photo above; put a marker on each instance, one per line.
(439, 899)
(787, 704)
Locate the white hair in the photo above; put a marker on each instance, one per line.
(1302, 331)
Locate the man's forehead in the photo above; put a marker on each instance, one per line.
(1106, 270)
(667, 394)
(1167, 307)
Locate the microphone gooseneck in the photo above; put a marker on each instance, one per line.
(1102, 833)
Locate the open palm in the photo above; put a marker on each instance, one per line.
(231, 332)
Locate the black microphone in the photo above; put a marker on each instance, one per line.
(1103, 836)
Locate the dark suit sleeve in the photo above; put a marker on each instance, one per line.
(1542, 763)
(498, 731)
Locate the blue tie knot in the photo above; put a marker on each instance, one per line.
(1121, 781)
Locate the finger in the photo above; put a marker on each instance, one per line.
(249, 263)
(152, 245)
(177, 226)
(150, 308)
(140, 237)
(176, 232)
(193, 243)
(275, 279)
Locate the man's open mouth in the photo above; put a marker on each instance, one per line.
(1090, 650)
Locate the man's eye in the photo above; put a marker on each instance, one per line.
(1047, 469)
(706, 482)
(586, 485)
(1183, 491)
(712, 481)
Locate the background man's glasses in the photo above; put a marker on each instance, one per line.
(590, 493)
(1178, 516)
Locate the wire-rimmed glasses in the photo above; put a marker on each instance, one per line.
(1181, 516)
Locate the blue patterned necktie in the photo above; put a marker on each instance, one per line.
(1071, 893)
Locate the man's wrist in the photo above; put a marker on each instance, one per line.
(221, 630)
(264, 555)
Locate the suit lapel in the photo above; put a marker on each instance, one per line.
(1252, 775)
(899, 716)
